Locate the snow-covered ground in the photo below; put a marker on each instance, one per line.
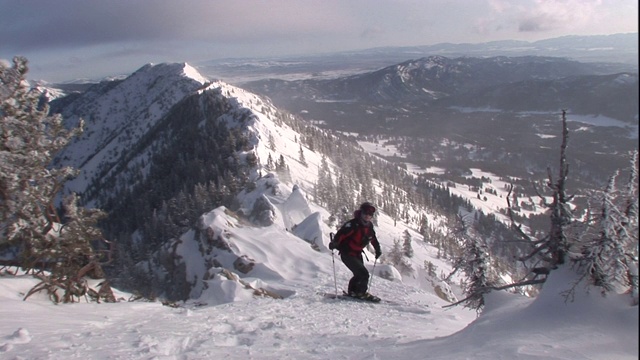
(308, 326)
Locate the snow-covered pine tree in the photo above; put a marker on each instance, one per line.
(395, 254)
(397, 258)
(630, 212)
(475, 262)
(424, 228)
(282, 169)
(609, 246)
(29, 138)
(31, 231)
(605, 258)
(430, 268)
(604, 251)
(75, 250)
(344, 201)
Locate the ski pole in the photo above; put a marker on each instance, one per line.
(373, 271)
(333, 260)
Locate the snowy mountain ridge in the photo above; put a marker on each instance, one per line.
(118, 114)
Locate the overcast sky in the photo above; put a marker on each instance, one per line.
(69, 39)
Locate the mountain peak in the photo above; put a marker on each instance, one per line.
(191, 72)
(172, 69)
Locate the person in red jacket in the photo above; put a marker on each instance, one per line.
(350, 241)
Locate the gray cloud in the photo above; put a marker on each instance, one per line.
(46, 24)
(529, 25)
(63, 23)
(68, 35)
(69, 23)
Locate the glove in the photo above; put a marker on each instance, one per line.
(378, 253)
(331, 246)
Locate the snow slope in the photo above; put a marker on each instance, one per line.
(306, 325)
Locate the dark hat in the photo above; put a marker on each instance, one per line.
(367, 208)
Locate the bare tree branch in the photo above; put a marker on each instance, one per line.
(484, 290)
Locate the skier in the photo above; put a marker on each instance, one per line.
(350, 241)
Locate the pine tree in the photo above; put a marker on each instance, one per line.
(606, 248)
(344, 195)
(603, 254)
(630, 211)
(609, 244)
(30, 138)
(272, 142)
(396, 258)
(74, 253)
(430, 268)
(325, 188)
(475, 263)
(31, 228)
(406, 247)
(424, 228)
(302, 159)
(282, 169)
(270, 165)
(395, 254)
(561, 215)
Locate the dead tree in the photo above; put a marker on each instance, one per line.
(552, 248)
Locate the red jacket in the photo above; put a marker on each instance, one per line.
(354, 236)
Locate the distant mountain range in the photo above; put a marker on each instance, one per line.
(494, 107)
(619, 52)
(617, 48)
(524, 83)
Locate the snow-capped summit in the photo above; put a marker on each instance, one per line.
(171, 69)
(119, 114)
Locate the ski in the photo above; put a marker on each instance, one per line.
(346, 296)
(369, 298)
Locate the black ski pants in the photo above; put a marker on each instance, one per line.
(360, 280)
